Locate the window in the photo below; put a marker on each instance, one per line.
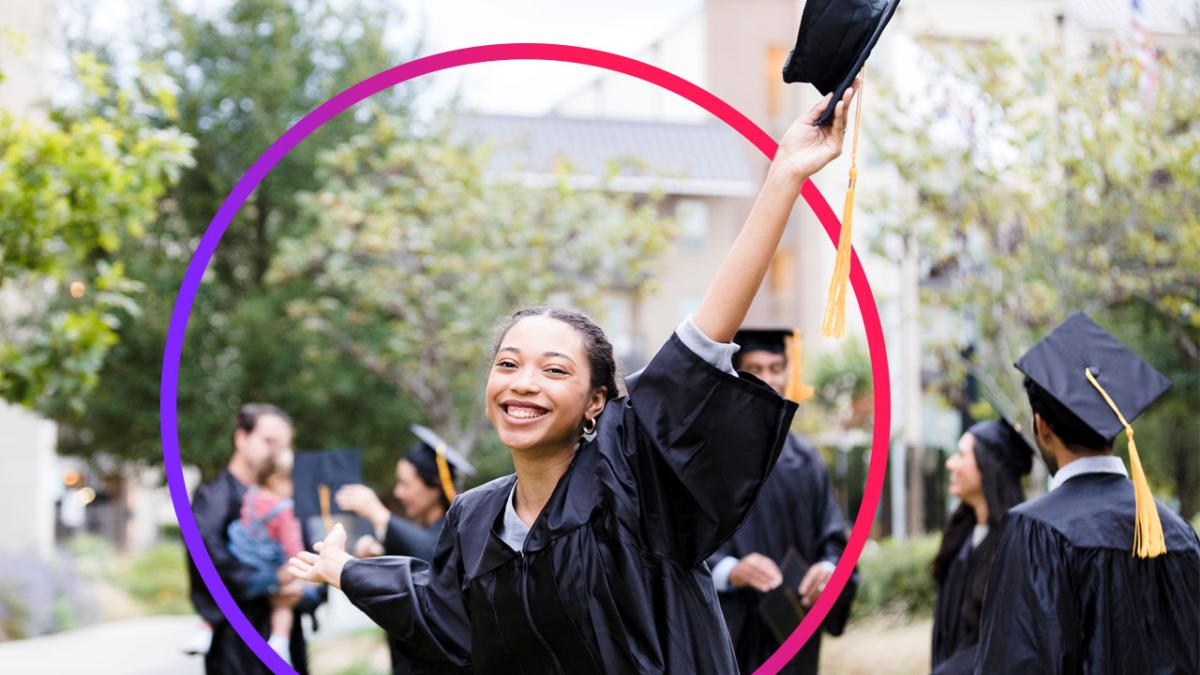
(692, 215)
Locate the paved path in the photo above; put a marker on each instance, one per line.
(147, 646)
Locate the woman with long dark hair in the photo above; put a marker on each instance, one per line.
(590, 559)
(985, 475)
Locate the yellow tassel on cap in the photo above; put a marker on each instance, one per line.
(444, 474)
(834, 323)
(1148, 540)
(796, 389)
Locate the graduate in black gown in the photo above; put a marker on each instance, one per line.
(425, 487)
(261, 430)
(985, 475)
(591, 559)
(1096, 576)
(795, 512)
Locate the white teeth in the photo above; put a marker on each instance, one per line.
(523, 413)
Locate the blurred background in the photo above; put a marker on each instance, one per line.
(1020, 159)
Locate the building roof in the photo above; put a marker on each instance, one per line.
(678, 158)
(1158, 16)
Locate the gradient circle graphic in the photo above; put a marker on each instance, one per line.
(173, 350)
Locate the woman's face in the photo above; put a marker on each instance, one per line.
(539, 388)
(966, 482)
(418, 499)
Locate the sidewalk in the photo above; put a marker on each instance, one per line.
(146, 646)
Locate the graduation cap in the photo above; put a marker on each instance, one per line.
(316, 477)
(436, 462)
(778, 341)
(834, 41)
(1104, 384)
(782, 608)
(1006, 444)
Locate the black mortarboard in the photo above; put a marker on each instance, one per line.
(1006, 444)
(1058, 362)
(438, 464)
(316, 477)
(782, 608)
(1104, 384)
(835, 39)
(777, 341)
(762, 339)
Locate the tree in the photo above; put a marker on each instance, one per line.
(74, 188)
(245, 74)
(1028, 206)
(416, 254)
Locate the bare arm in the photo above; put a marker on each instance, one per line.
(804, 150)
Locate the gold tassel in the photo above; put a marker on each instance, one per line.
(326, 511)
(1148, 540)
(834, 323)
(444, 475)
(796, 389)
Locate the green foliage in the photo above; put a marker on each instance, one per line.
(155, 579)
(895, 577)
(1027, 207)
(415, 255)
(246, 72)
(73, 189)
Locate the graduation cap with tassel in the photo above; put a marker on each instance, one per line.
(784, 341)
(1105, 385)
(834, 41)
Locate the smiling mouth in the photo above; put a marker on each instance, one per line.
(524, 412)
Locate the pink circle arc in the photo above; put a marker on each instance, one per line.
(173, 349)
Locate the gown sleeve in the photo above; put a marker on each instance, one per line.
(421, 605)
(404, 537)
(1031, 619)
(701, 443)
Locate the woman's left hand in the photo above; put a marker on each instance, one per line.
(806, 149)
(324, 566)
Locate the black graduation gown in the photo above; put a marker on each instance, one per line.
(215, 506)
(796, 508)
(1066, 595)
(611, 578)
(954, 640)
(404, 537)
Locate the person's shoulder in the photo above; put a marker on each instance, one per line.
(490, 492)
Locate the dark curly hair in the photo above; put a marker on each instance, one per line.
(595, 343)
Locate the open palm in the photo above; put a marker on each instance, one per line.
(324, 566)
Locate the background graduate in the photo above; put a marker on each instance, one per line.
(796, 511)
(1096, 576)
(985, 475)
(591, 558)
(425, 487)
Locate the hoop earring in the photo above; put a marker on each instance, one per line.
(589, 426)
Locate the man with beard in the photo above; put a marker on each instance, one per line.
(261, 432)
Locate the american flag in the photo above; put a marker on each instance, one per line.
(1144, 53)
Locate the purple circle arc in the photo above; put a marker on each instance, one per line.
(176, 331)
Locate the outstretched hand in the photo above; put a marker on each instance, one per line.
(324, 566)
(805, 148)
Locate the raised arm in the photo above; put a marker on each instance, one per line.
(804, 150)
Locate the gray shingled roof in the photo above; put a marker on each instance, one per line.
(679, 158)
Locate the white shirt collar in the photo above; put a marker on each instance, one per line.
(1094, 464)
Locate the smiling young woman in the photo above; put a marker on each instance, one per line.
(590, 558)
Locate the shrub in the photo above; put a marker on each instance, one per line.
(895, 579)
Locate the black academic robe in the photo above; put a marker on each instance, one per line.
(216, 505)
(955, 639)
(1066, 595)
(404, 537)
(796, 509)
(611, 578)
